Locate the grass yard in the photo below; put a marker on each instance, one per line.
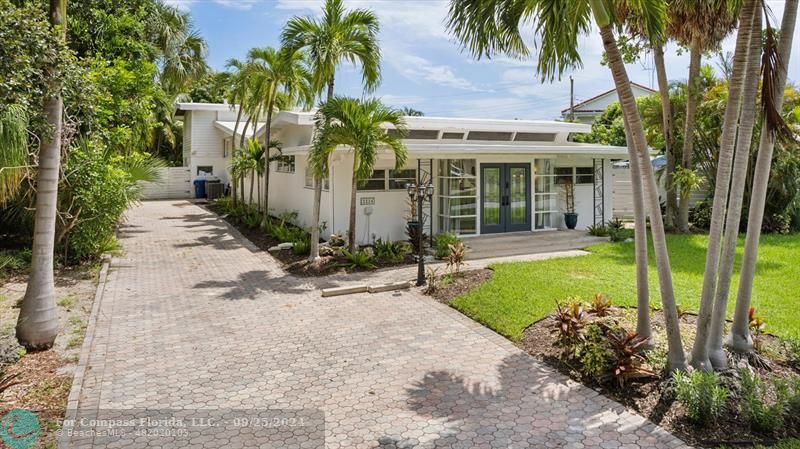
(521, 293)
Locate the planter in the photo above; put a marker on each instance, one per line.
(571, 220)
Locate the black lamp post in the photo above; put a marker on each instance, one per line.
(419, 194)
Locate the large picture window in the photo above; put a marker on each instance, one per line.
(388, 180)
(458, 196)
(545, 195)
(578, 175)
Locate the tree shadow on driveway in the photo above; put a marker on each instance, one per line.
(257, 284)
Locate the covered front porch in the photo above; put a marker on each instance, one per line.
(493, 246)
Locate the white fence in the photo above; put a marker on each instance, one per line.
(623, 193)
(174, 183)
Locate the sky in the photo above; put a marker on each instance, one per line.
(424, 68)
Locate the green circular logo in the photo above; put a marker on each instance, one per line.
(20, 429)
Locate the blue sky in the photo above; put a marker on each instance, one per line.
(423, 67)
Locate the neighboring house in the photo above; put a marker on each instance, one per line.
(490, 176)
(587, 110)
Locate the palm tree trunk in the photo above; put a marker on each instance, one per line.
(37, 324)
(676, 357)
(233, 150)
(318, 200)
(736, 198)
(351, 231)
(687, 154)
(244, 132)
(666, 124)
(643, 325)
(700, 359)
(739, 339)
(252, 183)
(270, 106)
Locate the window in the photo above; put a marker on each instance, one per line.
(309, 181)
(457, 192)
(285, 164)
(452, 136)
(577, 175)
(534, 137)
(545, 195)
(207, 170)
(388, 180)
(418, 134)
(488, 135)
(226, 147)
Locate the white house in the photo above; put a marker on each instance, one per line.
(490, 176)
(587, 110)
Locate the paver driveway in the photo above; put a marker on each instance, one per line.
(194, 322)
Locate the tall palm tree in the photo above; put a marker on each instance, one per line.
(700, 358)
(739, 339)
(719, 360)
(182, 51)
(37, 324)
(488, 27)
(358, 124)
(283, 79)
(699, 25)
(13, 150)
(338, 36)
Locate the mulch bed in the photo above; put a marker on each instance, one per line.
(298, 264)
(652, 398)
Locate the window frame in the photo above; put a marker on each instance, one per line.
(574, 175)
(286, 161)
(326, 181)
(387, 179)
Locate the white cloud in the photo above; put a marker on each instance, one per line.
(417, 68)
(237, 4)
(402, 99)
(183, 5)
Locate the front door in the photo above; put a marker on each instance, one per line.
(505, 198)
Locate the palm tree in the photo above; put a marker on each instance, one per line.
(739, 339)
(182, 51)
(358, 124)
(411, 112)
(699, 25)
(37, 324)
(700, 358)
(282, 78)
(13, 150)
(719, 359)
(237, 93)
(338, 36)
(488, 27)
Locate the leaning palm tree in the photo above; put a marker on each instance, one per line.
(739, 339)
(488, 27)
(717, 356)
(359, 125)
(338, 36)
(700, 358)
(283, 79)
(37, 324)
(699, 25)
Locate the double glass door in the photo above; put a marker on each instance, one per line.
(505, 198)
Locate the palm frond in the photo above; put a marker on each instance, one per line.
(772, 79)
(13, 150)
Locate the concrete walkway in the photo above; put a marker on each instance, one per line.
(216, 346)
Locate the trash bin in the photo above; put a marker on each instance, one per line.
(214, 189)
(200, 188)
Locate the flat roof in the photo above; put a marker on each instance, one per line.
(463, 148)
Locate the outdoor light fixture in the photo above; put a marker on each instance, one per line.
(420, 194)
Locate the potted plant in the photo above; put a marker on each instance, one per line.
(570, 216)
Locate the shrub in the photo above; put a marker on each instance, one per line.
(601, 305)
(251, 219)
(777, 223)
(594, 353)
(791, 347)
(456, 256)
(702, 395)
(302, 247)
(598, 230)
(762, 414)
(432, 278)
(359, 259)
(15, 260)
(570, 321)
(413, 231)
(628, 360)
(757, 327)
(793, 399)
(442, 244)
(700, 215)
(392, 252)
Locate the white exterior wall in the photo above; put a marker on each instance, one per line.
(205, 143)
(288, 193)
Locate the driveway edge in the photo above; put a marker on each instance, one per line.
(83, 360)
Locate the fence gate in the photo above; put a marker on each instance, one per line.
(173, 183)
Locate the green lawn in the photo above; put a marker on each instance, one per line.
(521, 293)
